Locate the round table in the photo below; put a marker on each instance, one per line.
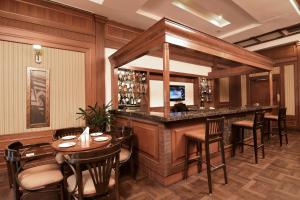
(81, 146)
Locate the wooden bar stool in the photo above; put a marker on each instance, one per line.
(256, 125)
(281, 123)
(213, 133)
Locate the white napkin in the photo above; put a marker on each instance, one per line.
(85, 136)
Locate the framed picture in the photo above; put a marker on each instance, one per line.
(37, 101)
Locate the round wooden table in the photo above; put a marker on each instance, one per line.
(81, 146)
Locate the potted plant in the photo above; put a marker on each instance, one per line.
(97, 118)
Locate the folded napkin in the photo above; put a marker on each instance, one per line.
(85, 136)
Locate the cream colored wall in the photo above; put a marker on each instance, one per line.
(289, 89)
(157, 95)
(244, 90)
(151, 63)
(224, 89)
(67, 86)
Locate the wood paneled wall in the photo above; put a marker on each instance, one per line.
(67, 91)
(285, 57)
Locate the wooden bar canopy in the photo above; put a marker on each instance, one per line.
(185, 42)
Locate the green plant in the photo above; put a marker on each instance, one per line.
(97, 117)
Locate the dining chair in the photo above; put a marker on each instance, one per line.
(100, 176)
(59, 133)
(15, 145)
(30, 174)
(124, 134)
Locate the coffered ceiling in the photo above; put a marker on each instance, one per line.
(247, 18)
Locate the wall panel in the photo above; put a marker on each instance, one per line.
(67, 86)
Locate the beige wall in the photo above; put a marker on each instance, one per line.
(67, 86)
(289, 89)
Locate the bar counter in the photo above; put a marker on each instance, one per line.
(160, 140)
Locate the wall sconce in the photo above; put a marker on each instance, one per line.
(37, 53)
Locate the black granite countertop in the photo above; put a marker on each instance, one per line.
(159, 116)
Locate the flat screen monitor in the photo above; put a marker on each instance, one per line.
(177, 93)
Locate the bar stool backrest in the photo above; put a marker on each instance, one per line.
(99, 164)
(214, 128)
(259, 120)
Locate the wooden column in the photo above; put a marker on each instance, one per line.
(100, 58)
(166, 78)
(271, 87)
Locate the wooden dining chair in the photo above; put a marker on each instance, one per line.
(100, 176)
(59, 133)
(124, 134)
(30, 174)
(12, 146)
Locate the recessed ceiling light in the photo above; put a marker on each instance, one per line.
(214, 19)
(98, 1)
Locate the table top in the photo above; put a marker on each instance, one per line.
(81, 146)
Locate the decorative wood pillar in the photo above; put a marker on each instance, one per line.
(271, 87)
(100, 58)
(166, 79)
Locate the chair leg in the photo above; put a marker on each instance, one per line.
(262, 142)
(286, 139)
(223, 160)
(280, 137)
(255, 145)
(207, 154)
(185, 175)
(132, 168)
(242, 141)
(199, 150)
(269, 130)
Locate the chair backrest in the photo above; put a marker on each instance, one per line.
(99, 164)
(259, 119)
(282, 118)
(214, 128)
(67, 131)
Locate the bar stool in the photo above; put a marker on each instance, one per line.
(256, 125)
(213, 133)
(281, 123)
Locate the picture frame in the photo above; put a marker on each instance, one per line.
(37, 98)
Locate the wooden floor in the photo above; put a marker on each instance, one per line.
(275, 177)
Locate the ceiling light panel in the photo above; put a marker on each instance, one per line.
(97, 1)
(295, 6)
(210, 17)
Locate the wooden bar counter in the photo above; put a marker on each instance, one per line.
(160, 140)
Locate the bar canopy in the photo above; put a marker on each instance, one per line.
(171, 40)
(190, 45)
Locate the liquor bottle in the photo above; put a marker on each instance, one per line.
(143, 89)
(126, 99)
(131, 100)
(143, 79)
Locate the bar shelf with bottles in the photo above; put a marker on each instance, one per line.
(132, 87)
(206, 93)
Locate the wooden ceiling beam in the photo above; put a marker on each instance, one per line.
(234, 71)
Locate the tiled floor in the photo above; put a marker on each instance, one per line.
(275, 177)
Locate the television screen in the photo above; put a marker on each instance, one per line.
(177, 92)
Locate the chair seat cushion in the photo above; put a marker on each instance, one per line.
(124, 154)
(87, 183)
(195, 134)
(244, 123)
(271, 117)
(40, 176)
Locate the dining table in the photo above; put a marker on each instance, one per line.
(75, 145)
